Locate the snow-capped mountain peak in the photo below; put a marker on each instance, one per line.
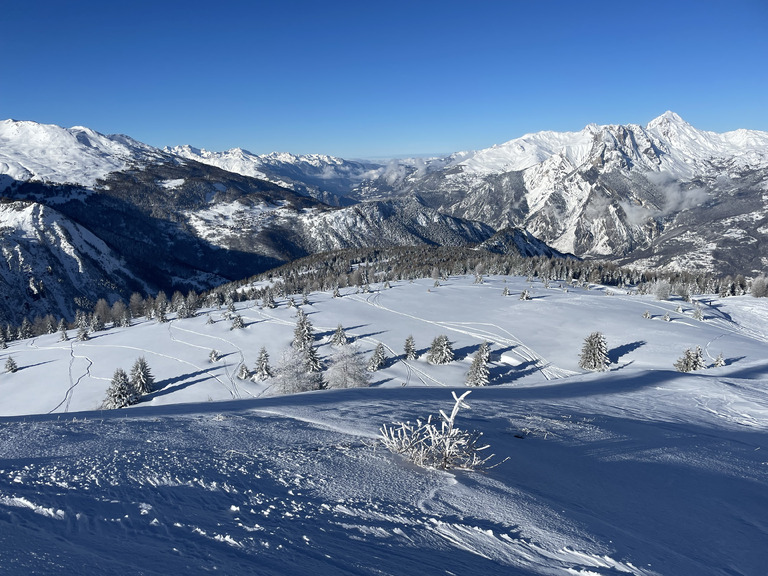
(50, 153)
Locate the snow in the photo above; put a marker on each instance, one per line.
(49, 153)
(638, 470)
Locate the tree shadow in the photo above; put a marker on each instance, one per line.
(616, 353)
(361, 336)
(466, 351)
(165, 387)
(505, 373)
(20, 368)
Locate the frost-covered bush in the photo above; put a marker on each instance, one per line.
(432, 445)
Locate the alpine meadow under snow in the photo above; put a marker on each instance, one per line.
(636, 469)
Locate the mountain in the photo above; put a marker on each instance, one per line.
(162, 221)
(666, 194)
(326, 178)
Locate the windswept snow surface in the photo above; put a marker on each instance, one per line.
(639, 470)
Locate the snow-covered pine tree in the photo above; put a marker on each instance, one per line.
(25, 330)
(141, 376)
(63, 337)
(97, 323)
(719, 361)
(10, 365)
(594, 353)
(243, 373)
(214, 356)
(209, 320)
(237, 322)
(666, 317)
(441, 351)
(314, 364)
(263, 369)
(410, 349)
(505, 292)
(339, 337)
(647, 315)
(82, 334)
(377, 359)
(698, 359)
(49, 326)
(479, 374)
(525, 295)
(303, 334)
(347, 369)
(3, 343)
(121, 392)
(691, 360)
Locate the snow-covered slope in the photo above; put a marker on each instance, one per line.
(640, 470)
(49, 260)
(78, 155)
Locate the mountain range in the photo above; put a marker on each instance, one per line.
(87, 215)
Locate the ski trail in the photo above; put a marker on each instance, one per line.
(233, 388)
(547, 369)
(72, 383)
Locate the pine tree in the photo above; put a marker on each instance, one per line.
(347, 369)
(3, 343)
(339, 337)
(82, 334)
(378, 358)
(594, 353)
(303, 334)
(10, 365)
(121, 392)
(646, 314)
(410, 349)
(441, 351)
(263, 369)
(691, 360)
(243, 373)
(719, 361)
(209, 320)
(314, 364)
(214, 356)
(525, 295)
(63, 331)
(141, 376)
(97, 323)
(478, 372)
(237, 322)
(505, 292)
(25, 330)
(49, 327)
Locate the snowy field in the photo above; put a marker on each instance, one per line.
(638, 470)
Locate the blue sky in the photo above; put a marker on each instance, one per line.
(375, 79)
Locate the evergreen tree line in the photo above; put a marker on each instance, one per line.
(362, 267)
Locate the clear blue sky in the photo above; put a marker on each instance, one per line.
(379, 78)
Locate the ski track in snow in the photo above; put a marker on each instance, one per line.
(548, 370)
(642, 472)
